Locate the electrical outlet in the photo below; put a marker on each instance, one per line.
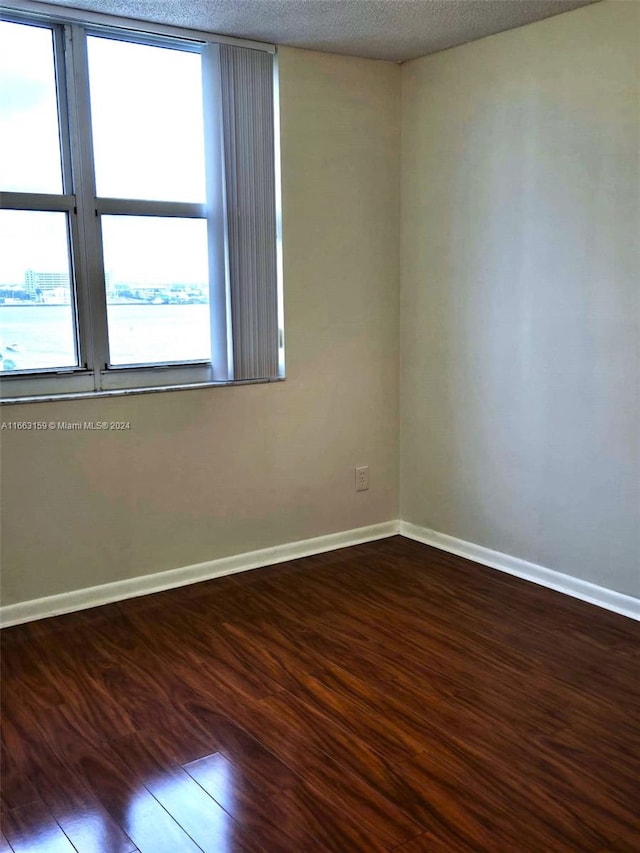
(362, 478)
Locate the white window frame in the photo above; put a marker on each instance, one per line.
(95, 377)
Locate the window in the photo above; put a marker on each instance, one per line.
(139, 209)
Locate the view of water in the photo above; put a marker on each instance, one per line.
(41, 336)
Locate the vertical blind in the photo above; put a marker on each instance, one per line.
(250, 196)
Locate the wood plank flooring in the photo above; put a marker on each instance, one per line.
(383, 697)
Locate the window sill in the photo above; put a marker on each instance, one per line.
(127, 392)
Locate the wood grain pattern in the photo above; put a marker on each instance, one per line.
(382, 697)
(32, 827)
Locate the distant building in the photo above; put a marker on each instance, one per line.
(55, 296)
(44, 285)
(54, 286)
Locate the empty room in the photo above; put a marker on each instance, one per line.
(320, 426)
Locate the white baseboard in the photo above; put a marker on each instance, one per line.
(82, 599)
(575, 587)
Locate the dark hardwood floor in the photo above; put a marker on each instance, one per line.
(385, 696)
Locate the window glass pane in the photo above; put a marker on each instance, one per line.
(157, 283)
(29, 139)
(36, 303)
(146, 113)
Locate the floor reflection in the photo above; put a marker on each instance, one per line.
(199, 813)
(215, 774)
(171, 812)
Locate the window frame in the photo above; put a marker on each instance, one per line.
(94, 376)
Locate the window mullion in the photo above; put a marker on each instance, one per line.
(141, 207)
(90, 266)
(61, 37)
(219, 293)
(36, 201)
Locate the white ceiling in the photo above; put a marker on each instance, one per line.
(380, 29)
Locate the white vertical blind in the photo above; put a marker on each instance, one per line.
(248, 140)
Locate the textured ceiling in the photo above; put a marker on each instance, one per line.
(380, 29)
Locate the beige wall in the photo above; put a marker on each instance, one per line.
(519, 334)
(205, 474)
(520, 289)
